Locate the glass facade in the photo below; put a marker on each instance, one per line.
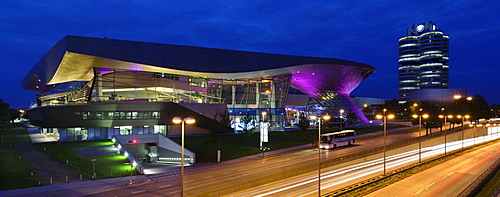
(100, 133)
(242, 96)
(117, 115)
(423, 55)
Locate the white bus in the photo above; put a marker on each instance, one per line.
(336, 139)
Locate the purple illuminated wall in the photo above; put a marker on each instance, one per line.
(331, 85)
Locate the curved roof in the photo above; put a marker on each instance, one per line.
(72, 58)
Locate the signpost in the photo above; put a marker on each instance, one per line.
(93, 167)
(131, 166)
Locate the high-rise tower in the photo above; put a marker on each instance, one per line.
(423, 54)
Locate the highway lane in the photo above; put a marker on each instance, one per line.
(446, 179)
(210, 177)
(336, 177)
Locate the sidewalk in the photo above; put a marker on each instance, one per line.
(85, 187)
(78, 188)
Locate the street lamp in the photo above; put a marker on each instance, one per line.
(385, 117)
(443, 116)
(463, 128)
(341, 119)
(325, 117)
(188, 120)
(474, 127)
(419, 116)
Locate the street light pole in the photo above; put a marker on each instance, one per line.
(385, 117)
(385, 131)
(325, 117)
(443, 116)
(463, 128)
(341, 119)
(188, 120)
(319, 158)
(419, 116)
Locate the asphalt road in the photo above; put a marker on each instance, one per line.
(220, 176)
(446, 179)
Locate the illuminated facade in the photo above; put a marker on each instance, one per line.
(98, 87)
(423, 55)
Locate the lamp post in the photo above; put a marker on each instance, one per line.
(341, 119)
(325, 117)
(419, 116)
(463, 128)
(443, 116)
(385, 117)
(188, 120)
(474, 127)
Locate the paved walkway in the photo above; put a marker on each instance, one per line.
(49, 167)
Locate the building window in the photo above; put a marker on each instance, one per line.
(122, 115)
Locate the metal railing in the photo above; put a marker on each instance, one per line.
(474, 186)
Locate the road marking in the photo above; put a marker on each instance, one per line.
(189, 181)
(430, 184)
(226, 173)
(138, 192)
(173, 192)
(164, 186)
(208, 177)
(450, 173)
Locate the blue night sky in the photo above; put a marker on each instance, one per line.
(361, 31)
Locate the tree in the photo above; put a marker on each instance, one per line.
(303, 122)
(351, 118)
(14, 113)
(495, 108)
(477, 108)
(4, 112)
(248, 127)
(368, 111)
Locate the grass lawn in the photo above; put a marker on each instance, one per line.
(105, 166)
(235, 146)
(15, 172)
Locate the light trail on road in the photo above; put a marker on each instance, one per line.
(333, 178)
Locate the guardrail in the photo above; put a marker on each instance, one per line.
(474, 185)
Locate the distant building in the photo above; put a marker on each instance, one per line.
(368, 105)
(441, 97)
(423, 54)
(360, 101)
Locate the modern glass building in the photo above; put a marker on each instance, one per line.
(94, 88)
(423, 54)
